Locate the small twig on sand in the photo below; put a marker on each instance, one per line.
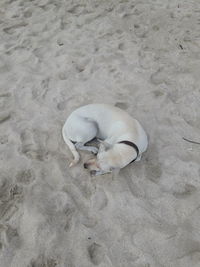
(198, 143)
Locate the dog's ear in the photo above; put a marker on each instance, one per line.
(104, 146)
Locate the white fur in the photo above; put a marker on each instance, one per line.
(109, 124)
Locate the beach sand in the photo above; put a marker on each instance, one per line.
(142, 56)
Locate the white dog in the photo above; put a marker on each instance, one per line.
(123, 139)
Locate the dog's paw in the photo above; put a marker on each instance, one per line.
(93, 173)
(96, 173)
(72, 164)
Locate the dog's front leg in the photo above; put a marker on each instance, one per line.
(82, 146)
(115, 172)
(96, 173)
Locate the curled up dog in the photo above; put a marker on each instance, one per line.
(122, 138)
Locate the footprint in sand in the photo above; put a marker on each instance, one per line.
(28, 13)
(3, 139)
(4, 116)
(5, 184)
(87, 218)
(153, 172)
(69, 213)
(99, 200)
(159, 77)
(96, 253)
(27, 141)
(11, 29)
(186, 191)
(153, 168)
(5, 105)
(10, 196)
(32, 149)
(25, 176)
(42, 261)
(12, 237)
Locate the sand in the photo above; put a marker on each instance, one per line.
(142, 56)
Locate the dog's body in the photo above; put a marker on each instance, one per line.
(110, 124)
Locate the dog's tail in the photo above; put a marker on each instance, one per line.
(72, 148)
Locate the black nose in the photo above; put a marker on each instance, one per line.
(85, 165)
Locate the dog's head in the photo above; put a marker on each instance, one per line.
(103, 163)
